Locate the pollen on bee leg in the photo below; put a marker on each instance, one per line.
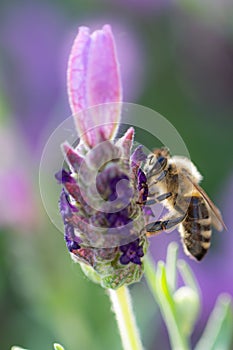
(155, 233)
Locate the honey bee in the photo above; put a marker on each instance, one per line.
(174, 181)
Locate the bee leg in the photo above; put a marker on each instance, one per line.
(151, 202)
(163, 196)
(159, 198)
(163, 225)
(161, 177)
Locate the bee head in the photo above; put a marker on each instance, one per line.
(162, 152)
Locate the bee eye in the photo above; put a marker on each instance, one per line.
(161, 160)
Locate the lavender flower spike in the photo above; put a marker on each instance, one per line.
(105, 189)
(93, 79)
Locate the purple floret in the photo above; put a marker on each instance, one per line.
(138, 156)
(120, 218)
(132, 252)
(113, 186)
(142, 184)
(72, 245)
(63, 176)
(66, 208)
(72, 241)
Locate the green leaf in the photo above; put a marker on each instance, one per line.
(218, 332)
(188, 276)
(57, 346)
(187, 298)
(157, 281)
(168, 310)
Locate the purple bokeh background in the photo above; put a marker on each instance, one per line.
(173, 60)
(35, 52)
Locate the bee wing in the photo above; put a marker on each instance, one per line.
(217, 219)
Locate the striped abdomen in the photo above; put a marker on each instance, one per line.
(196, 228)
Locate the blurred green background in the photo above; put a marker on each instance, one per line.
(177, 58)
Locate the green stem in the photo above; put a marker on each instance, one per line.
(122, 306)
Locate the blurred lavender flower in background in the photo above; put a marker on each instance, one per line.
(31, 36)
(17, 202)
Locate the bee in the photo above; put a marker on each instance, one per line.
(174, 182)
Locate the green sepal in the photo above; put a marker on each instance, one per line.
(112, 274)
(131, 273)
(91, 273)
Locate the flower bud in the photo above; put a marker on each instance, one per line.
(187, 305)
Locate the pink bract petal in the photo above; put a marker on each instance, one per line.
(73, 158)
(77, 70)
(94, 80)
(129, 135)
(126, 142)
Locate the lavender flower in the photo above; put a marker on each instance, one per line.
(105, 189)
(132, 252)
